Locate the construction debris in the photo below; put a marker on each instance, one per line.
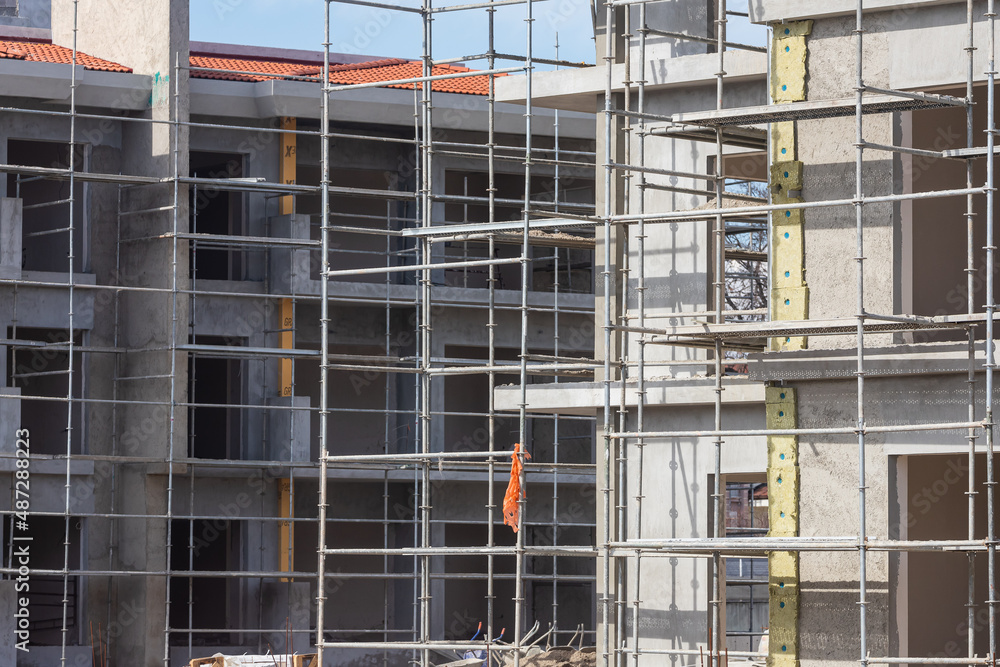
(563, 656)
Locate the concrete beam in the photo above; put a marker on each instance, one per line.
(901, 360)
(586, 398)
(444, 296)
(269, 99)
(385, 106)
(578, 89)
(51, 82)
(778, 11)
(274, 53)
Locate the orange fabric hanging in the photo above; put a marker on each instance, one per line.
(511, 511)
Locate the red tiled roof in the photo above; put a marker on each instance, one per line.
(391, 69)
(50, 53)
(386, 70)
(263, 70)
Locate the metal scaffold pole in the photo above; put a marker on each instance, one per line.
(971, 308)
(641, 308)
(426, 324)
(324, 328)
(607, 449)
(860, 285)
(719, 298)
(988, 424)
(71, 161)
(621, 280)
(421, 232)
(519, 606)
(228, 314)
(173, 348)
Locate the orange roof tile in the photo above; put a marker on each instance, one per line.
(381, 70)
(246, 69)
(262, 70)
(50, 53)
(392, 69)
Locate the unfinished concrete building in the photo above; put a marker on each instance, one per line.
(734, 298)
(860, 398)
(221, 269)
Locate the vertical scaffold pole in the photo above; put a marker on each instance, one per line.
(718, 530)
(991, 549)
(970, 271)
(324, 327)
(525, 282)
(605, 546)
(860, 274)
(64, 631)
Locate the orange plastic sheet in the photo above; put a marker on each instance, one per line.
(511, 510)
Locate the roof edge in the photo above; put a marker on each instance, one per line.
(276, 54)
(25, 33)
(779, 11)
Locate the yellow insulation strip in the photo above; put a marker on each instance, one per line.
(786, 181)
(788, 61)
(287, 174)
(783, 514)
(783, 147)
(789, 301)
(286, 166)
(789, 292)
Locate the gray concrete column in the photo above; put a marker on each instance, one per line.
(150, 37)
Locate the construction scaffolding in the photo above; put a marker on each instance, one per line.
(204, 438)
(624, 549)
(401, 252)
(539, 218)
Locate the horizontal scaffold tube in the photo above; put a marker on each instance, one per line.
(709, 546)
(422, 267)
(842, 430)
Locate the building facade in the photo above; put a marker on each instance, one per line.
(168, 345)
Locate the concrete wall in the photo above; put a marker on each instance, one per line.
(359, 605)
(830, 245)
(915, 482)
(913, 264)
(915, 257)
(676, 487)
(679, 255)
(828, 617)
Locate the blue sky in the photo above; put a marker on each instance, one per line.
(371, 31)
